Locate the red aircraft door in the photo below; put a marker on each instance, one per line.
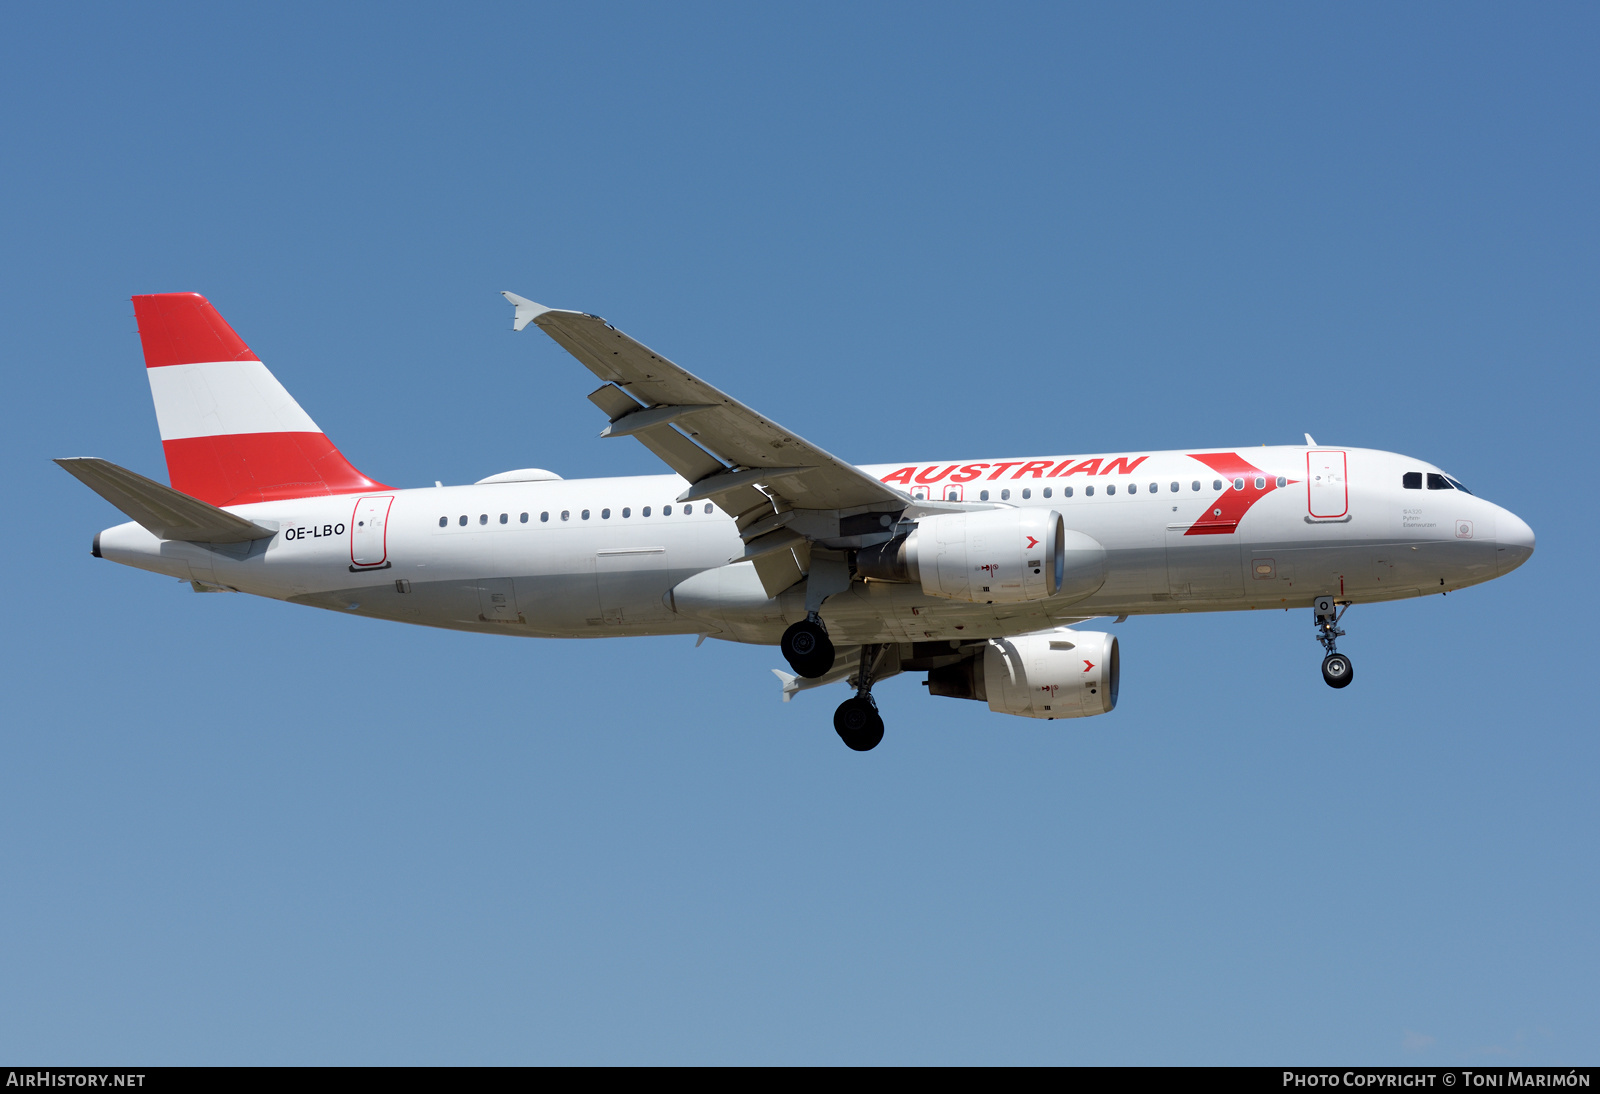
(1327, 487)
(369, 533)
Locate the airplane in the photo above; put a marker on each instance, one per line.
(976, 572)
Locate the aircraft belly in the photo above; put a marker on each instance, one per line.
(1134, 573)
(561, 602)
(542, 607)
(1204, 567)
(881, 611)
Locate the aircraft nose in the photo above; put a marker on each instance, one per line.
(1516, 541)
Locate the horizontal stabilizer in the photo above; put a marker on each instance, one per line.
(163, 511)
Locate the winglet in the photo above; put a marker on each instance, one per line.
(1309, 442)
(527, 310)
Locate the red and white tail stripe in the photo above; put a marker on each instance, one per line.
(232, 434)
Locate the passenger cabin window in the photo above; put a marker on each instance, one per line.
(443, 521)
(626, 512)
(1196, 485)
(1005, 495)
(1411, 480)
(1111, 488)
(1088, 491)
(504, 518)
(708, 509)
(983, 495)
(1282, 482)
(1261, 483)
(544, 517)
(463, 520)
(666, 510)
(605, 514)
(566, 514)
(1238, 484)
(483, 518)
(1133, 488)
(524, 518)
(1066, 491)
(1437, 482)
(585, 514)
(1155, 488)
(1047, 491)
(645, 512)
(1174, 488)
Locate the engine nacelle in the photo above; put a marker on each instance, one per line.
(1061, 674)
(1000, 556)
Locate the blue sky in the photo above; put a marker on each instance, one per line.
(235, 831)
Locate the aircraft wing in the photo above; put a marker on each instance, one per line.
(748, 447)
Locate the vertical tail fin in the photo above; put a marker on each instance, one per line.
(232, 434)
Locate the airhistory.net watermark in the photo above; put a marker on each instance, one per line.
(37, 1077)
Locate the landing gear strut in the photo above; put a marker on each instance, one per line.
(806, 647)
(1337, 672)
(857, 720)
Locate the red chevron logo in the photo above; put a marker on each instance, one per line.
(1235, 501)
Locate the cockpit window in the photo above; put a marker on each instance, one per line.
(1411, 480)
(1455, 482)
(1436, 482)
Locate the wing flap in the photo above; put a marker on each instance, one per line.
(614, 401)
(778, 571)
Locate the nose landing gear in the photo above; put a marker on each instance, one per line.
(857, 720)
(1337, 672)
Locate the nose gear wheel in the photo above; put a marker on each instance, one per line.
(1337, 671)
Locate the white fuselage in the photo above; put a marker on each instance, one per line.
(582, 559)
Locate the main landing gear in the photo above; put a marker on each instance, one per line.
(857, 720)
(1337, 671)
(807, 648)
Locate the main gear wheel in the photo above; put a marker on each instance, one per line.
(807, 648)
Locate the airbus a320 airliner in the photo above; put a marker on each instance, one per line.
(973, 571)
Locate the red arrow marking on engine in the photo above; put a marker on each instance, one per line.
(1087, 664)
(1032, 542)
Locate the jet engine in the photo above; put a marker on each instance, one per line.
(998, 556)
(1059, 674)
